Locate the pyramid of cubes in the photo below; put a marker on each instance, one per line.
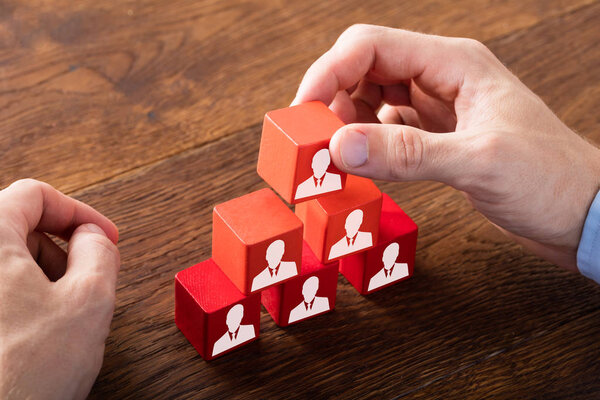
(262, 252)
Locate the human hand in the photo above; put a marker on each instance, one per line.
(55, 307)
(451, 112)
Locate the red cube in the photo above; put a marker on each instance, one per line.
(294, 152)
(212, 313)
(392, 260)
(342, 223)
(309, 294)
(257, 240)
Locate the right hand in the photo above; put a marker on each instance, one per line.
(423, 107)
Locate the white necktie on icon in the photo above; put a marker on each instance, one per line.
(236, 333)
(276, 270)
(311, 303)
(391, 271)
(354, 240)
(320, 181)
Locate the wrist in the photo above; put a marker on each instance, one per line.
(588, 251)
(588, 230)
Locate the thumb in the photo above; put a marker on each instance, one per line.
(92, 253)
(397, 153)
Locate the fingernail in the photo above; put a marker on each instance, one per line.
(92, 228)
(353, 148)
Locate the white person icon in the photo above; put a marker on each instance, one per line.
(320, 181)
(236, 333)
(276, 270)
(391, 271)
(311, 304)
(354, 240)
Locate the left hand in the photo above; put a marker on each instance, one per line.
(55, 307)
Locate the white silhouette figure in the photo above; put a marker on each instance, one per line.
(311, 305)
(276, 270)
(354, 240)
(391, 271)
(321, 181)
(236, 334)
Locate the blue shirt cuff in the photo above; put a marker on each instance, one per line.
(588, 253)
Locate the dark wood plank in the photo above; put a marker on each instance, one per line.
(95, 89)
(554, 364)
(121, 87)
(450, 313)
(461, 305)
(475, 295)
(551, 71)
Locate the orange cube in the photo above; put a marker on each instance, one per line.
(294, 152)
(343, 223)
(257, 241)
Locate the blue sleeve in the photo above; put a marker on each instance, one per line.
(588, 253)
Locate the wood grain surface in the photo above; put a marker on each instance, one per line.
(151, 112)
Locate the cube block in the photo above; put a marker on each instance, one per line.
(342, 223)
(294, 152)
(257, 240)
(392, 259)
(309, 294)
(212, 313)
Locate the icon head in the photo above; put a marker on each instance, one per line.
(353, 222)
(234, 317)
(320, 162)
(275, 253)
(390, 254)
(309, 288)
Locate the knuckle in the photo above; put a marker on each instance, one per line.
(474, 49)
(18, 258)
(358, 31)
(489, 151)
(93, 290)
(473, 45)
(405, 153)
(26, 184)
(488, 147)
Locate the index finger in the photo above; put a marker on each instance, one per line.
(389, 56)
(29, 205)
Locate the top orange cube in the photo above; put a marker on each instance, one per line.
(294, 152)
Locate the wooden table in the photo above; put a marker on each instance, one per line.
(152, 113)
